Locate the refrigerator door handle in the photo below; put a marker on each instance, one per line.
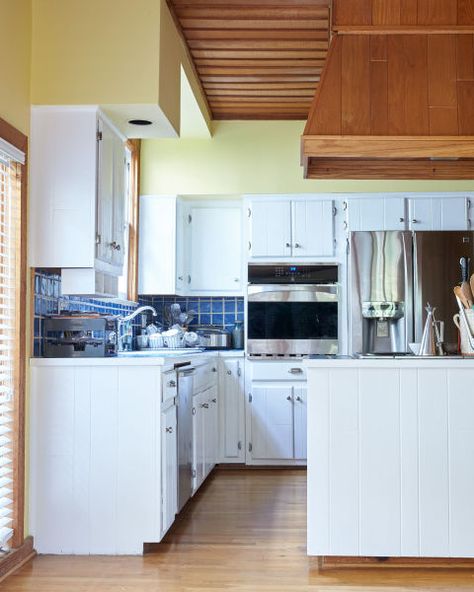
(417, 304)
(409, 242)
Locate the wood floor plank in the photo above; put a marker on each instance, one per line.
(245, 531)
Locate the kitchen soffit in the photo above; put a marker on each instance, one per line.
(256, 60)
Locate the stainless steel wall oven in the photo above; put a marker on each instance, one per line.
(292, 310)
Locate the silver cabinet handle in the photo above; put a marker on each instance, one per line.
(236, 280)
(189, 279)
(169, 430)
(295, 370)
(229, 372)
(214, 370)
(415, 221)
(172, 383)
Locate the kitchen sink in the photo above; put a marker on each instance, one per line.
(159, 353)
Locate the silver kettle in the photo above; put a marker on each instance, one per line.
(433, 335)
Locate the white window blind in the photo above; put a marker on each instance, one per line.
(10, 219)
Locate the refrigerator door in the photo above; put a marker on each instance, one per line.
(381, 284)
(437, 271)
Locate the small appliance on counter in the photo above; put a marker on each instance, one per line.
(74, 334)
(212, 337)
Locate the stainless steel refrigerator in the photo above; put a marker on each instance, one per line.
(392, 276)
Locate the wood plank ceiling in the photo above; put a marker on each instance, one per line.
(256, 59)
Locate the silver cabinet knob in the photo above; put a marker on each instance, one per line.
(299, 399)
(169, 430)
(288, 245)
(229, 372)
(172, 383)
(214, 370)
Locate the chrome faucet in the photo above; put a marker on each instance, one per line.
(125, 332)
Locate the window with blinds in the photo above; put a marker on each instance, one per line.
(10, 277)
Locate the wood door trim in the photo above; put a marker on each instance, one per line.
(132, 279)
(403, 30)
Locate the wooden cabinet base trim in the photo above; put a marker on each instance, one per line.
(11, 562)
(326, 563)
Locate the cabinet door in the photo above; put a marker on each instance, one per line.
(270, 234)
(157, 250)
(272, 422)
(313, 228)
(210, 429)
(120, 201)
(105, 196)
(448, 213)
(377, 213)
(231, 406)
(169, 467)
(214, 238)
(299, 394)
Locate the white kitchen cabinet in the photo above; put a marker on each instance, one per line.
(213, 257)
(77, 198)
(390, 468)
(95, 486)
(169, 468)
(157, 250)
(232, 410)
(377, 212)
(299, 422)
(439, 213)
(287, 227)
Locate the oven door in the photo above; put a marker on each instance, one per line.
(294, 320)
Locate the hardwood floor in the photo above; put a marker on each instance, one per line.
(245, 531)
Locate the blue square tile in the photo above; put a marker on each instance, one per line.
(229, 305)
(229, 319)
(240, 316)
(205, 319)
(218, 319)
(204, 306)
(217, 305)
(240, 305)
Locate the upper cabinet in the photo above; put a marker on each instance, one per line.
(287, 227)
(378, 212)
(212, 247)
(77, 198)
(190, 246)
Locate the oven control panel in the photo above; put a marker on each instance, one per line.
(289, 274)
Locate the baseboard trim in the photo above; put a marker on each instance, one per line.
(334, 563)
(16, 558)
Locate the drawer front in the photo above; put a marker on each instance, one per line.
(170, 386)
(290, 371)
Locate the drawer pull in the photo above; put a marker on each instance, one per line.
(172, 383)
(295, 370)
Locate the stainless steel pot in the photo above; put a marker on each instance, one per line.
(213, 337)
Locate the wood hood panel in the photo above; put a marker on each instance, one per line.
(397, 106)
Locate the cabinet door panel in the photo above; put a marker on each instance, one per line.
(231, 398)
(299, 393)
(105, 197)
(272, 422)
(377, 213)
(215, 249)
(313, 228)
(210, 430)
(270, 229)
(169, 467)
(120, 200)
(198, 441)
(454, 213)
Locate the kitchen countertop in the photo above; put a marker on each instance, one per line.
(150, 360)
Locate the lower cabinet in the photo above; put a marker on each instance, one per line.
(231, 411)
(277, 414)
(169, 467)
(205, 435)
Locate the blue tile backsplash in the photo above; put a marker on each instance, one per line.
(219, 311)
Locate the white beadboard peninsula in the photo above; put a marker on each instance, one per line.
(390, 449)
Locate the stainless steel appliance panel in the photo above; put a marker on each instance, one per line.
(381, 291)
(437, 270)
(185, 435)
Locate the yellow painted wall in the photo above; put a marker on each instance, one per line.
(15, 32)
(250, 157)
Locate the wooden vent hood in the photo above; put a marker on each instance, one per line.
(394, 102)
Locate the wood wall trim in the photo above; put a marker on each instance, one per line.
(388, 146)
(402, 30)
(17, 558)
(132, 290)
(20, 141)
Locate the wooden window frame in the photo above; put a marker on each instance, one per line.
(134, 190)
(21, 548)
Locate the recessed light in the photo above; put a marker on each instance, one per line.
(139, 122)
